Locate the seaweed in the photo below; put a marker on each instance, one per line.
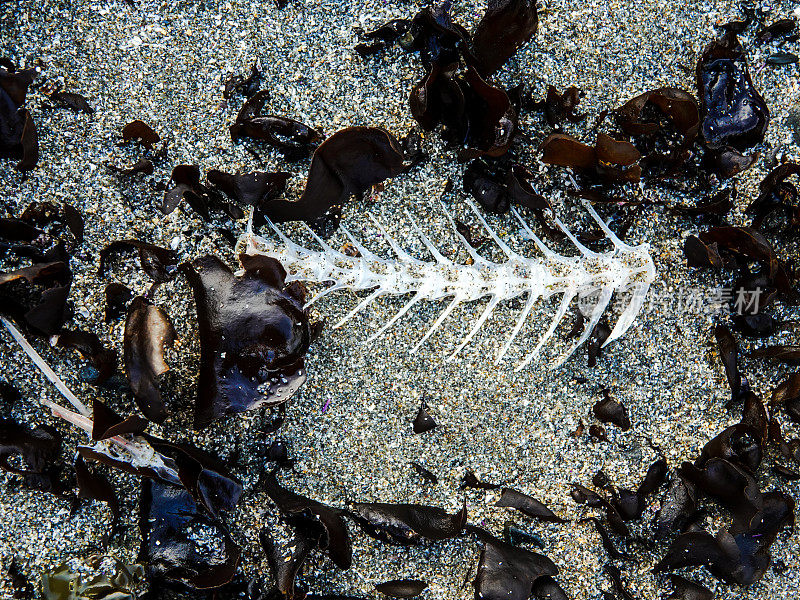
(527, 505)
(506, 571)
(117, 297)
(39, 450)
(148, 330)
(19, 139)
(407, 524)
(560, 107)
(293, 139)
(71, 101)
(346, 164)
(401, 588)
(141, 132)
(423, 422)
(608, 161)
(609, 410)
(424, 473)
(506, 26)
(107, 423)
(95, 486)
(36, 296)
(89, 346)
(202, 198)
(683, 589)
(253, 336)
(160, 264)
(733, 113)
(319, 525)
(246, 86)
(180, 544)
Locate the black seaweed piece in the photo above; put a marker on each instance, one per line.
(729, 352)
(143, 165)
(246, 86)
(36, 296)
(423, 422)
(383, 37)
(117, 296)
(781, 28)
(346, 164)
(253, 189)
(740, 558)
(516, 536)
(40, 452)
(72, 101)
(527, 505)
(546, 588)
(64, 215)
(407, 524)
(202, 198)
(19, 139)
(181, 544)
(730, 485)
(89, 346)
(141, 132)
(683, 589)
(424, 473)
(95, 486)
(678, 507)
(293, 138)
(777, 197)
(718, 205)
(471, 481)
(505, 27)
(611, 411)
(107, 423)
(206, 478)
(608, 161)
(606, 540)
(401, 588)
(560, 107)
(509, 572)
(20, 585)
(663, 124)
(786, 395)
(615, 576)
(732, 110)
(148, 330)
(158, 263)
(321, 525)
(286, 568)
(254, 334)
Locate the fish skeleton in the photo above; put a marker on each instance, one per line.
(597, 275)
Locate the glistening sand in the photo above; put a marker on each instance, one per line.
(164, 63)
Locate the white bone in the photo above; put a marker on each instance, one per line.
(625, 267)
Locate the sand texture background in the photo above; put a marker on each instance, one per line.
(164, 63)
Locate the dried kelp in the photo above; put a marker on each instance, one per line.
(609, 410)
(39, 450)
(423, 422)
(346, 164)
(160, 264)
(561, 107)
(19, 139)
(407, 523)
(401, 588)
(505, 27)
(253, 336)
(527, 505)
(202, 198)
(36, 296)
(88, 345)
(320, 525)
(141, 132)
(148, 330)
(293, 138)
(509, 572)
(609, 160)
(180, 544)
(733, 112)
